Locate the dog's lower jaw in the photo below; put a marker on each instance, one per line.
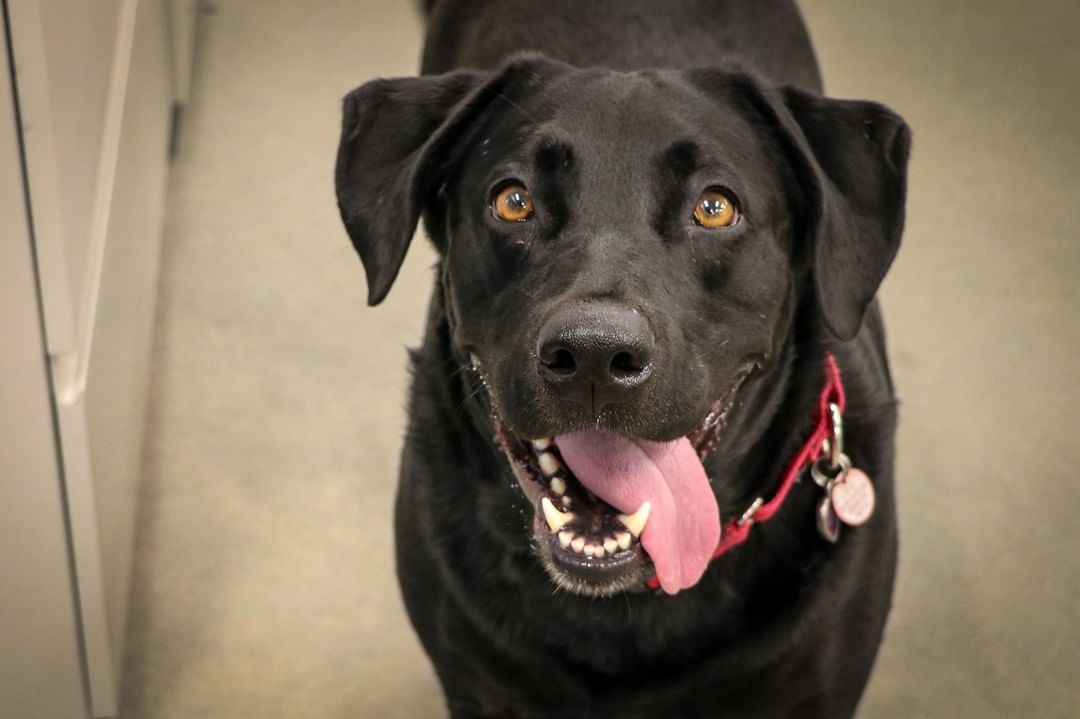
(630, 582)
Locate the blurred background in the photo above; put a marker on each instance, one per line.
(201, 419)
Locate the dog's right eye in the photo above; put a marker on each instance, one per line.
(512, 204)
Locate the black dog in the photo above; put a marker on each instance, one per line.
(655, 235)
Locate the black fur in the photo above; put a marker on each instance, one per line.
(722, 93)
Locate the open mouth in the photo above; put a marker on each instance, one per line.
(612, 510)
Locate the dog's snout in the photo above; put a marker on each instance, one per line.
(596, 355)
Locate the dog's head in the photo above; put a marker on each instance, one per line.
(620, 252)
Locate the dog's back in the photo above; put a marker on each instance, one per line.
(766, 35)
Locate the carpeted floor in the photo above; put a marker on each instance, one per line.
(264, 579)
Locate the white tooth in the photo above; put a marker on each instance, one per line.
(610, 545)
(558, 486)
(549, 464)
(597, 551)
(624, 539)
(566, 501)
(555, 519)
(636, 522)
(541, 444)
(578, 544)
(565, 539)
(474, 361)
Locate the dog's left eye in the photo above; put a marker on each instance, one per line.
(714, 210)
(512, 204)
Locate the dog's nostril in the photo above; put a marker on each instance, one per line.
(562, 362)
(625, 364)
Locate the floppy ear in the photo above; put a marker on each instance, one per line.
(854, 171)
(395, 136)
(389, 129)
(850, 160)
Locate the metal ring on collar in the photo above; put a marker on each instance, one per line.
(822, 476)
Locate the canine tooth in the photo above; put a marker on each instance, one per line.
(624, 539)
(565, 538)
(578, 544)
(555, 519)
(636, 522)
(610, 545)
(558, 486)
(549, 464)
(541, 444)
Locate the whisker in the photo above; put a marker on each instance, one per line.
(516, 106)
(525, 292)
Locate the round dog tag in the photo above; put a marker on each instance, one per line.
(853, 498)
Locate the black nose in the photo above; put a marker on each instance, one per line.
(596, 354)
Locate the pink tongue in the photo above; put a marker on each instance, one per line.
(684, 522)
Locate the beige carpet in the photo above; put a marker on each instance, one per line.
(264, 579)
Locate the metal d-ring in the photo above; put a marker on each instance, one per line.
(833, 445)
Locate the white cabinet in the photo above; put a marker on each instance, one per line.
(40, 664)
(95, 87)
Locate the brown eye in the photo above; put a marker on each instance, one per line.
(714, 210)
(512, 204)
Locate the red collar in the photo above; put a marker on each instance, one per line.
(735, 531)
